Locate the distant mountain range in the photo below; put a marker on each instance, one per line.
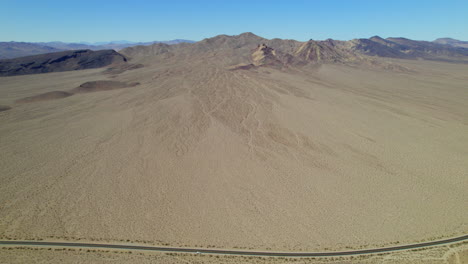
(9, 50)
(245, 51)
(249, 50)
(374, 46)
(127, 43)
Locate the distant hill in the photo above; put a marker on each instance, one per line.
(69, 46)
(126, 42)
(12, 49)
(452, 42)
(60, 61)
(116, 45)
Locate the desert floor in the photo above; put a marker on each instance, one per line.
(317, 158)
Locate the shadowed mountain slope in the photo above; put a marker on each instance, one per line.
(60, 61)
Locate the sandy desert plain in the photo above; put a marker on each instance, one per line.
(320, 157)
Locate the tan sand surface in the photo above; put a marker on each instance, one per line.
(328, 157)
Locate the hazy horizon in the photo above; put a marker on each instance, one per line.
(122, 41)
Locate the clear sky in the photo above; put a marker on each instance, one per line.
(137, 20)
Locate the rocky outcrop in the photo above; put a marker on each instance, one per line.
(264, 55)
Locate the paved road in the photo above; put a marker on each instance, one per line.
(233, 252)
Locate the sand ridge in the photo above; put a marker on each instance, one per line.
(44, 97)
(104, 85)
(87, 87)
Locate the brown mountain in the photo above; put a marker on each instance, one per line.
(238, 50)
(328, 51)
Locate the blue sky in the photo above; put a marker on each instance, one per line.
(135, 20)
